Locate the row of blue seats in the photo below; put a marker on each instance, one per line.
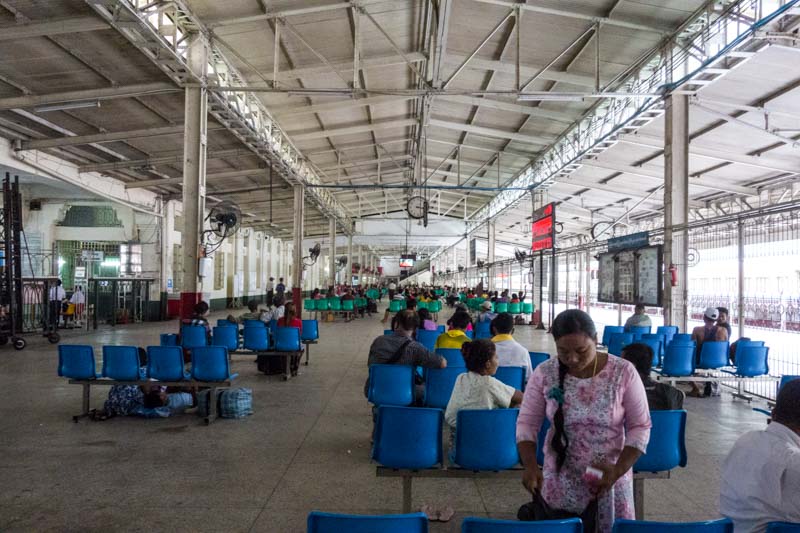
(637, 331)
(255, 337)
(410, 438)
(164, 363)
(680, 358)
(418, 523)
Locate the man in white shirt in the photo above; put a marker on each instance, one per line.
(509, 351)
(761, 475)
(56, 296)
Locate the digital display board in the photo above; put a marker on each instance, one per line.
(407, 260)
(631, 276)
(543, 228)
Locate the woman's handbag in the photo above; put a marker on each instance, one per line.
(538, 509)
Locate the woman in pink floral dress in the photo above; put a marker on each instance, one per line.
(598, 413)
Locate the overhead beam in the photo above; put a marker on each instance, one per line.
(575, 14)
(102, 93)
(172, 159)
(209, 177)
(340, 105)
(367, 162)
(75, 140)
(499, 105)
(51, 27)
(515, 153)
(715, 152)
(527, 71)
(704, 182)
(491, 132)
(277, 14)
(351, 130)
(381, 61)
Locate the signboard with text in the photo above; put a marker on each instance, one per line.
(92, 255)
(543, 228)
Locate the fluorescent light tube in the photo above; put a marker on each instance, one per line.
(66, 105)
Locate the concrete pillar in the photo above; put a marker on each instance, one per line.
(587, 262)
(194, 176)
(297, 259)
(490, 257)
(348, 276)
(676, 208)
(167, 276)
(332, 256)
(360, 263)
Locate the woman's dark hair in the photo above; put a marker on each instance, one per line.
(252, 305)
(502, 324)
(405, 320)
(573, 321)
(566, 323)
(153, 399)
(460, 320)
(423, 315)
(787, 405)
(289, 313)
(641, 355)
(200, 308)
(477, 353)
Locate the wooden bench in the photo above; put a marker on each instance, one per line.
(212, 385)
(514, 473)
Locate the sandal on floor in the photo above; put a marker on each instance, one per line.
(446, 514)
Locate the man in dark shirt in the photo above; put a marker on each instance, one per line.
(401, 349)
(660, 396)
(722, 320)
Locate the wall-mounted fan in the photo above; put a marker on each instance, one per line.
(223, 221)
(461, 268)
(313, 254)
(341, 262)
(520, 255)
(480, 263)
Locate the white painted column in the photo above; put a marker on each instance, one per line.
(194, 176)
(332, 256)
(347, 277)
(490, 256)
(676, 208)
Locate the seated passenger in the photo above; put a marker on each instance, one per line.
(401, 349)
(486, 314)
(638, 318)
(509, 351)
(709, 331)
(478, 388)
(455, 337)
(761, 475)
(289, 319)
(252, 314)
(660, 396)
(426, 321)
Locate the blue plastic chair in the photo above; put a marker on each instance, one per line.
(335, 523)
(752, 360)
(453, 357)
(391, 385)
(783, 527)
(251, 323)
(227, 336)
(225, 322)
(658, 337)
(427, 338)
(655, 345)
(441, 329)
(681, 338)
(287, 339)
(618, 341)
(669, 331)
(483, 330)
(121, 363)
(723, 525)
(678, 360)
(638, 331)
(408, 437)
(667, 446)
(193, 336)
(486, 439)
(388, 331)
(310, 330)
(76, 361)
(541, 438)
(786, 379)
(513, 376)
(537, 358)
(743, 342)
(608, 331)
(169, 339)
(439, 383)
(255, 338)
(165, 363)
(470, 334)
(714, 354)
(210, 363)
(492, 525)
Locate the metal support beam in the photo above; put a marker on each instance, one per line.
(51, 27)
(491, 132)
(297, 250)
(388, 124)
(332, 255)
(103, 93)
(172, 159)
(478, 48)
(217, 176)
(194, 178)
(491, 226)
(676, 208)
(499, 105)
(75, 140)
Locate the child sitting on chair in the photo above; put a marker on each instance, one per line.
(478, 388)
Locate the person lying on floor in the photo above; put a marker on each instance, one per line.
(145, 401)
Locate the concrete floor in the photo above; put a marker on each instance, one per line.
(305, 448)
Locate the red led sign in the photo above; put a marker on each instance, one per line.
(543, 228)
